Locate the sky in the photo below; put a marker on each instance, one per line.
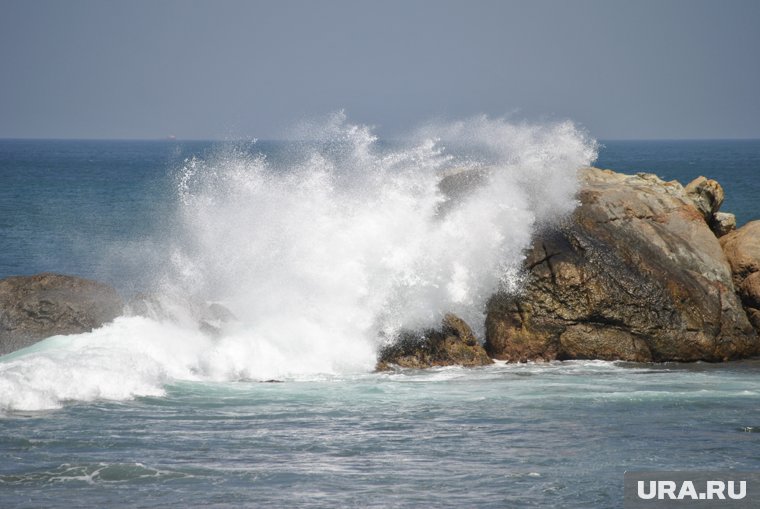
(239, 69)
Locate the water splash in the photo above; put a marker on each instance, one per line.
(326, 250)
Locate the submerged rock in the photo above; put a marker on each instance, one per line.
(634, 274)
(453, 344)
(36, 307)
(742, 248)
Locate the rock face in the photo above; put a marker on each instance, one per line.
(454, 343)
(742, 249)
(36, 307)
(634, 274)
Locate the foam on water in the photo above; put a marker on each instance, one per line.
(322, 258)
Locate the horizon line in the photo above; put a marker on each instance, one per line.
(257, 139)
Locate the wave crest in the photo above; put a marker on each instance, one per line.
(327, 246)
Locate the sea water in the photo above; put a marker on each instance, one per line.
(322, 247)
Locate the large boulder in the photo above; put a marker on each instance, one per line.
(634, 274)
(742, 248)
(35, 307)
(453, 344)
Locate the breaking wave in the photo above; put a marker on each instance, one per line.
(320, 251)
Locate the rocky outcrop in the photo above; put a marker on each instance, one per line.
(742, 249)
(707, 196)
(635, 274)
(36, 307)
(454, 343)
(722, 223)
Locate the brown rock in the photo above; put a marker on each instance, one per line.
(634, 274)
(453, 344)
(742, 248)
(749, 290)
(35, 307)
(452, 325)
(722, 223)
(706, 194)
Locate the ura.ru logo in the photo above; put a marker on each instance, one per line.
(713, 490)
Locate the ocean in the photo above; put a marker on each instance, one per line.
(316, 246)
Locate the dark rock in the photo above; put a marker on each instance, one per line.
(36, 307)
(635, 274)
(453, 344)
(452, 325)
(458, 184)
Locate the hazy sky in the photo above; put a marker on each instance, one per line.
(221, 69)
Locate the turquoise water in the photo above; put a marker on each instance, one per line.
(558, 435)
(128, 429)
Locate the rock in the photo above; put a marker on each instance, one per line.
(742, 248)
(722, 223)
(209, 317)
(707, 196)
(453, 344)
(459, 183)
(634, 274)
(749, 292)
(36, 307)
(452, 325)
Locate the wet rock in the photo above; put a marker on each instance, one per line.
(635, 274)
(453, 344)
(36, 307)
(458, 183)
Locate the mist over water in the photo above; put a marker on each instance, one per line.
(322, 254)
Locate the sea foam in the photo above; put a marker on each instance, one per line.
(322, 254)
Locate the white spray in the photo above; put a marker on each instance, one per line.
(323, 257)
